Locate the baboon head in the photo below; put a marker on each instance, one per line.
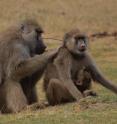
(83, 76)
(32, 34)
(76, 42)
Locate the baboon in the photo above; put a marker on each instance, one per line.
(63, 81)
(21, 65)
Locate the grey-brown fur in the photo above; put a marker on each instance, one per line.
(62, 74)
(21, 65)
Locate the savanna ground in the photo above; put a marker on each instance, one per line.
(57, 17)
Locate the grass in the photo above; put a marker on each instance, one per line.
(57, 17)
(66, 114)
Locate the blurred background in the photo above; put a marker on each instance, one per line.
(58, 16)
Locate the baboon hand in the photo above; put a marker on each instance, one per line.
(51, 53)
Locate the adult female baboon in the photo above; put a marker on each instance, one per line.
(63, 81)
(20, 66)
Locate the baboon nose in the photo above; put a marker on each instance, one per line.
(83, 46)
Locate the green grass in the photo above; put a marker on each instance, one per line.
(57, 17)
(66, 114)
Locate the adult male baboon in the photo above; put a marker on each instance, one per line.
(71, 71)
(20, 66)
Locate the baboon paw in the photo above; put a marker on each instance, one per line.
(89, 93)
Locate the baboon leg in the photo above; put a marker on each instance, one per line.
(89, 93)
(57, 93)
(15, 98)
(33, 96)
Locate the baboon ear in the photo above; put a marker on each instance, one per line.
(66, 37)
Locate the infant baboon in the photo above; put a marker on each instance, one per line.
(83, 82)
(63, 80)
(20, 66)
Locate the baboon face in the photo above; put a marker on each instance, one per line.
(32, 33)
(76, 42)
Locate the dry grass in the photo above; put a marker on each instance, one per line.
(57, 17)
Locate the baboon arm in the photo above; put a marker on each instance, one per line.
(63, 65)
(99, 77)
(30, 65)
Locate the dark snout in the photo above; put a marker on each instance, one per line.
(41, 47)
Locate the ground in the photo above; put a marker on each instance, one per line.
(57, 17)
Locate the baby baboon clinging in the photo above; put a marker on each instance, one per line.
(20, 66)
(83, 82)
(63, 77)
